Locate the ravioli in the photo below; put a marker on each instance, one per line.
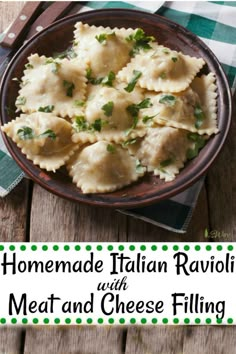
(162, 69)
(193, 110)
(108, 46)
(163, 150)
(52, 85)
(102, 168)
(43, 137)
(107, 115)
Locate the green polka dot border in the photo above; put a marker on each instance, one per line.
(113, 321)
(121, 247)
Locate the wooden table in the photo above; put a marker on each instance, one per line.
(30, 213)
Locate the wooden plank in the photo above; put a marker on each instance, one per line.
(208, 340)
(155, 340)
(55, 219)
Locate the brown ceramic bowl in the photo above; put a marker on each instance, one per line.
(149, 189)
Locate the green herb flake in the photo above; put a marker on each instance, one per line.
(193, 136)
(55, 65)
(129, 142)
(80, 124)
(108, 79)
(147, 119)
(108, 108)
(20, 101)
(69, 86)
(111, 148)
(131, 85)
(168, 100)
(141, 41)
(69, 53)
(163, 75)
(191, 153)
(134, 109)
(166, 163)
(101, 38)
(79, 103)
(25, 133)
(92, 80)
(199, 143)
(166, 51)
(98, 124)
(48, 134)
(29, 66)
(133, 126)
(199, 115)
(174, 59)
(46, 109)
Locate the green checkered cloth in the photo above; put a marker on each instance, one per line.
(214, 23)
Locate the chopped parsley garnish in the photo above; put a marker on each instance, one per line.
(166, 163)
(141, 41)
(69, 86)
(111, 148)
(46, 109)
(79, 103)
(91, 79)
(102, 38)
(134, 109)
(55, 65)
(166, 51)
(147, 119)
(20, 101)
(129, 142)
(199, 143)
(108, 108)
(108, 80)
(80, 124)
(163, 75)
(98, 124)
(174, 59)
(199, 115)
(134, 80)
(69, 53)
(168, 100)
(48, 134)
(133, 126)
(26, 133)
(29, 66)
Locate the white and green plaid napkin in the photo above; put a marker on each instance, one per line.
(215, 23)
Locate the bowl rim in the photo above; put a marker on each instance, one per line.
(122, 203)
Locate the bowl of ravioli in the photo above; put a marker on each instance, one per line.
(115, 108)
